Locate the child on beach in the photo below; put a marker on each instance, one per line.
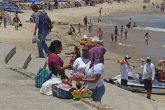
(16, 21)
(146, 37)
(125, 31)
(71, 30)
(75, 54)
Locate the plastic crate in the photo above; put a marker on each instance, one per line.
(60, 93)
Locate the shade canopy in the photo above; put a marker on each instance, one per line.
(10, 7)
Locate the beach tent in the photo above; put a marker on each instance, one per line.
(10, 7)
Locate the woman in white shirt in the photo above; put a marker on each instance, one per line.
(94, 73)
(125, 68)
(79, 64)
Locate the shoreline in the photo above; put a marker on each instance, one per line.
(22, 38)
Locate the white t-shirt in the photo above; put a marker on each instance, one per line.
(90, 72)
(124, 70)
(125, 29)
(147, 36)
(79, 64)
(149, 71)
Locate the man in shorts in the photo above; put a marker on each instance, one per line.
(148, 76)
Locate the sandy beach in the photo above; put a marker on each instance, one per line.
(23, 37)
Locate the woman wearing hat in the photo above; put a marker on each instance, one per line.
(94, 73)
(80, 63)
(148, 76)
(125, 67)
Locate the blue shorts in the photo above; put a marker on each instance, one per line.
(98, 93)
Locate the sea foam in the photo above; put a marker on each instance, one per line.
(151, 29)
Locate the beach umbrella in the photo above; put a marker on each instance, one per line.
(33, 0)
(14, 10)
(10, 7)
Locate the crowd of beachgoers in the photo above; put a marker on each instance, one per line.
(90, 60)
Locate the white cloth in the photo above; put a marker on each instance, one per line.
(149, 71)
(79, 64)
(90, 72)
(46, 88)
(124, 70)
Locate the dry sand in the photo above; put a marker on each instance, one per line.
(22, 38)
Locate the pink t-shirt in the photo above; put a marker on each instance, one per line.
(100, 33)
(53, 61)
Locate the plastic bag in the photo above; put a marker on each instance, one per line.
(46, 88)
(76, 76)
(48, 37)
(35, 39)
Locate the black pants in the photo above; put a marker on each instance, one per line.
(147, 84)
(124, 82)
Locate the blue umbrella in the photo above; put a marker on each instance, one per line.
(10, 7)
(33, 0)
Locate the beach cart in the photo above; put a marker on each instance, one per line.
(90, 41)
(160, 70)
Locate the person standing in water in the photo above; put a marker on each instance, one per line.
(122, 28)
(146, 37)
(116, 33)
(112, 37)
(125, 31)
(100, 34)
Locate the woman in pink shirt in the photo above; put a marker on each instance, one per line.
(55, 63)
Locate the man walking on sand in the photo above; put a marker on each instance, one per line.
(148, 76)
(90, 25)
(43, 31)
(100, 10)
(85, 21)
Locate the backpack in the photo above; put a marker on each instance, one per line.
(48, 22)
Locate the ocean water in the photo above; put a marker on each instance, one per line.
(149, 21)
